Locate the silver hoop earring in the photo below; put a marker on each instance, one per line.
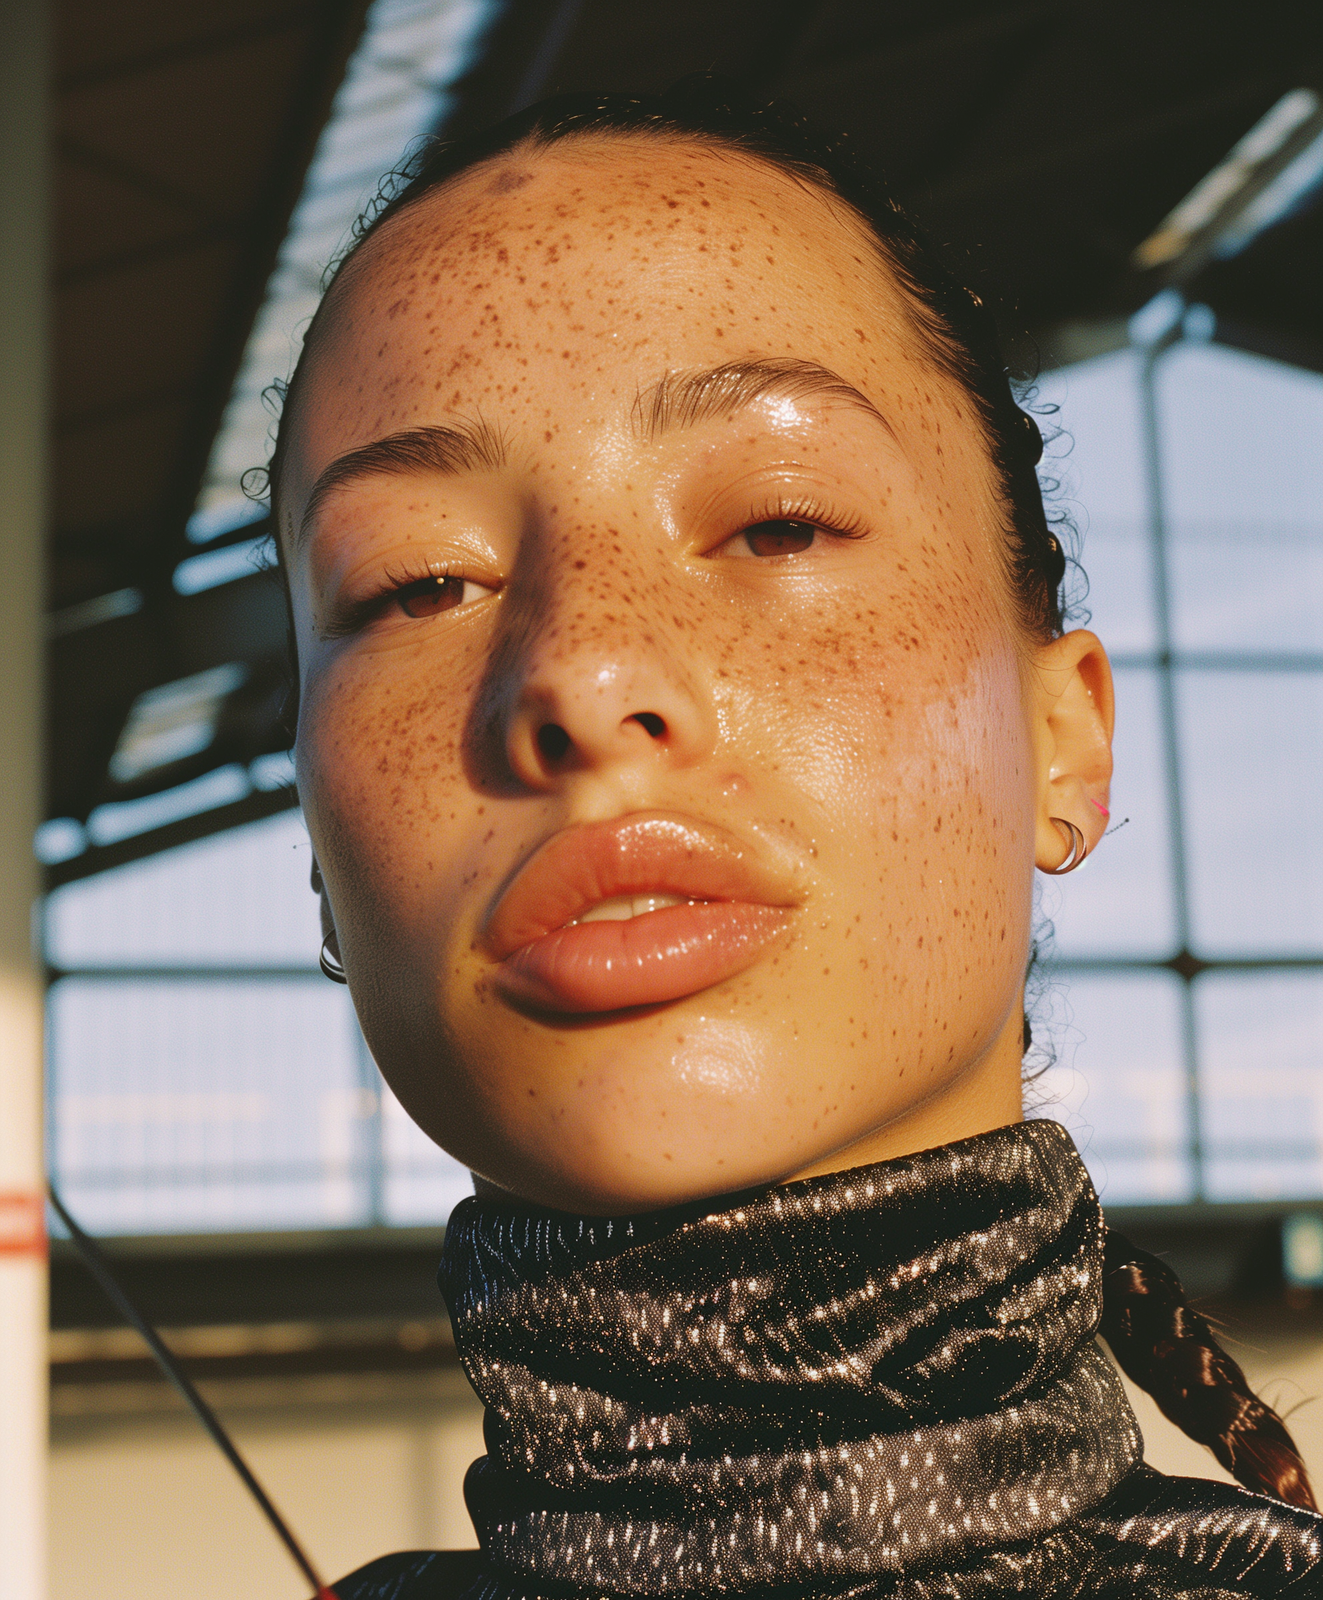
(1078, 850)
(330, 965)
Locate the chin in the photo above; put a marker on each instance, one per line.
(608, 1143)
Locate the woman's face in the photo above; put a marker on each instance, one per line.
(666, 740)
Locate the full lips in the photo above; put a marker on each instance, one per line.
(645, 960)
(659, 956)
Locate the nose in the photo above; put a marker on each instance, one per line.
(590, 692)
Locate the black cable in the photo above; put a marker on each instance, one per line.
(100, 1268)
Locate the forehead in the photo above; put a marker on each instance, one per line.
(546, 287)
(629, 205)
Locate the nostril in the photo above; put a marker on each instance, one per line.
(651, 721)
(553, 741)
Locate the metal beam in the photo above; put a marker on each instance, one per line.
(101, 858)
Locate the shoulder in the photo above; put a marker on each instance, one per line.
(1214, 1536)
(413, 1575)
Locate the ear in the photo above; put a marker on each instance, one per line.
(1073, 738)
(328, 921)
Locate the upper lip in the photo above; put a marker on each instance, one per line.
(591, 862)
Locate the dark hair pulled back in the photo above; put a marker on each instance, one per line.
(1159, 1341)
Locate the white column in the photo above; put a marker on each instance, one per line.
(23, 206)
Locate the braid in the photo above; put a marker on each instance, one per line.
(1162, 1344)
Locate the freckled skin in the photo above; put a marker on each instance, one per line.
(866, 716)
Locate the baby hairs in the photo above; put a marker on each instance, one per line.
(1160, 1342)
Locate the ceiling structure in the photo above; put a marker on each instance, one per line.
(1040, 140)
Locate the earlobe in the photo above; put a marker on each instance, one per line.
(1074, 735)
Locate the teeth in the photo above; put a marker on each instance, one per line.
(625, 906)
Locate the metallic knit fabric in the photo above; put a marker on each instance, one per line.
(827, 1380)
(881, 1383)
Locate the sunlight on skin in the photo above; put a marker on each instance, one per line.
(860, 722)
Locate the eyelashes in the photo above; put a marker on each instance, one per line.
(784, 529)
(816, 512)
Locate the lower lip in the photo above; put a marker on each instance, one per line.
(641, 961)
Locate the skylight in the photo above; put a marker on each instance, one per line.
(1247, 192)
(173, 722)
(396, 89)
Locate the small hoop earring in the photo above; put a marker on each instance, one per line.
(330, 965)
(1078, 850)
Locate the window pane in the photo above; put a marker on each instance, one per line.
(1261, 1081)
(1119, 903)
(238, 897)
(206, 1104)
(1248, 587)
(1099, 462)
(1119, 1083)
(1241, 440)
(1250, 746)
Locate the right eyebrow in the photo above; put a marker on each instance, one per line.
(414, 452)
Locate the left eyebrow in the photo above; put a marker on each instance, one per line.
(684, 400)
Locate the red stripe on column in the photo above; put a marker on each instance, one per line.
(22, 1224)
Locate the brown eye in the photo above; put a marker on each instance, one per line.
(429, 596)
(780, 538)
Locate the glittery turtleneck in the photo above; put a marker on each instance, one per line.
(824, 1381)
(883, 1382)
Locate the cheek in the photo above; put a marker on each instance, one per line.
(901, 699)
(901, 727)
(381, 770)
